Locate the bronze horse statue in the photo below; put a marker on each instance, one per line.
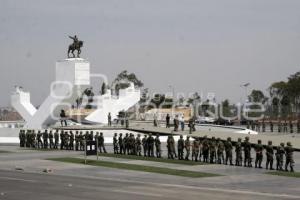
(73, 47)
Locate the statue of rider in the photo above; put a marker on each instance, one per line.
(75, 40)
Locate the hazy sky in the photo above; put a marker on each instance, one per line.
(194, 45)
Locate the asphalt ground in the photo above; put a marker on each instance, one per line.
(73, 181)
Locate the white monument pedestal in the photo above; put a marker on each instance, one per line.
(72, 77)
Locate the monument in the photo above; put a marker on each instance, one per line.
(72, 78)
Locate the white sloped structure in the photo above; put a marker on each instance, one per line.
(72, 76)
(112, 104)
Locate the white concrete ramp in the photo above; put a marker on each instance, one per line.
(111, 104)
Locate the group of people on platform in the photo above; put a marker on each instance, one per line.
(282, 127)
(209, 150)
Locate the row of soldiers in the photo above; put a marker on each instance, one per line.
(207, 150)
(200, 149)
(133, 145)
(284, 127)
(66, 139)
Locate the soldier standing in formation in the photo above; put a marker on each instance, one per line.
(121, 144)
(187, 146)
(228, 151)
(51, 136)
(238, 153)
(220, 151)
(270, 155)
(145, 146)
(138, 144)
(247, 153)
(180, 147)
(205, 149)
(195, 149)
(259, 154)
(279, 157)
(289, 151)
(150, 142)
(168, 121)
(115, 143)
(101, 143)
(157, 146)
(212, 150)
(271, 126)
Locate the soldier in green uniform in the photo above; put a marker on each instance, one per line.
(228, 151)
(115, 143)
(279, 126)
(45, 139)
(81, 141)
(291, 126)
(285, 126)
(279, 156)
(131, 144)
(220, 151)
(51, 136)
(205, 149)
(67, 140)
(157, 146)
(76, 141)
(125, 143)
(138, 145)
(270, 155)
(169, 147)
(72, 138)
(101, 143)
(39, 140)
(173, 149)
(145, 146)
(121, 143)
(187, 146)
(34, 141)
(62, 139)
(56, 139)
(150, 143)
(298, 126)
(289, 151)
(238, 153)
(196, 149)
(247, 153)
(212, 150)
(20, 138)
(271, 126)
(259, 154)
(27, 138)
(263, 126)
(180, 147)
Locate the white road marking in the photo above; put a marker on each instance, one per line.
(138, 193)
(18, 179)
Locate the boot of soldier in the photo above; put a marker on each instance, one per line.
(292, 169)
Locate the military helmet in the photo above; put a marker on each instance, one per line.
(258, 141)
(239, 139)
(282, 144)
(246, 138)
(270, 142)
(289, 144)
